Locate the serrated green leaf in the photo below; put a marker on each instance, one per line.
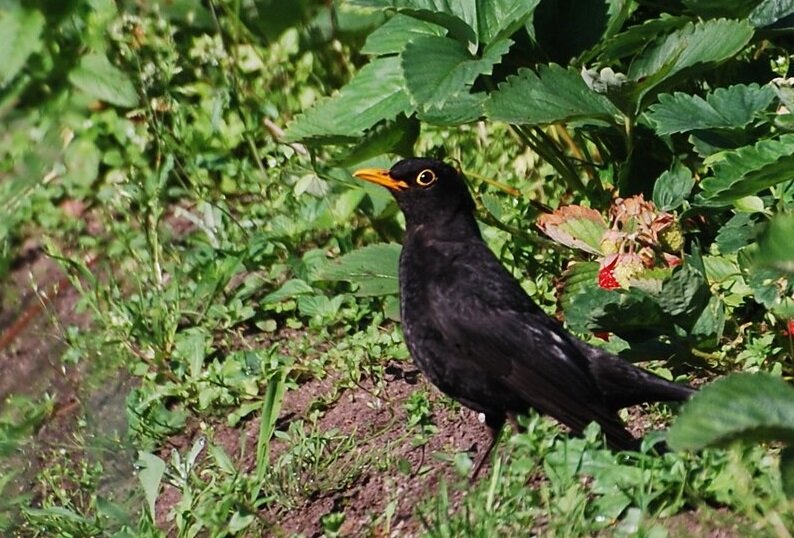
(768, 284)
(748, 407)
(651, 280)
(190, 347)
(776, 249)
(100, 79)
(769, 12)
(749, 169)
(578, 277)
(376, 93)
(620, 311)
(373, 268)
(553, 94)
(707, 330)
(673, 187)
(720, 268)
(438, 69)
(618, 11)
(709, 143)
(460, 18)
(396, 136)
(685, 293)
(320, 306)
(468, 21)
(681, 301)
(707, 42)
(724, 108)
(394, 34)
(20, 31)
(736, 9)
(738, 232)
(635, 38)
(464, 108)
(498, 19)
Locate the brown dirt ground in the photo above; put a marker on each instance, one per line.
(375, 417)
(36, 301)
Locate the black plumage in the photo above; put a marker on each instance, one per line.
(475, 333)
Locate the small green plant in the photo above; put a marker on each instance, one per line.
(68, 502)
(316, 461)
(419, 413)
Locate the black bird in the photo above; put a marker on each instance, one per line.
(478, 337)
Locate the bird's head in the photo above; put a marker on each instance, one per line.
(427, 190)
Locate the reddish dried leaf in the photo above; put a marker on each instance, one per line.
(576, 227)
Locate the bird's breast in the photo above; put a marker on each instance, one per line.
(420, 266)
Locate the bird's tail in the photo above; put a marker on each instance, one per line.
(624, 384)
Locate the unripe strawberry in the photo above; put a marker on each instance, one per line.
(671, 238)
(628, 266)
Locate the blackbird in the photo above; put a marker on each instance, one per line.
(478, 337)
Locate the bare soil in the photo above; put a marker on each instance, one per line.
(37, 303)
(377, 419)
(375, 416)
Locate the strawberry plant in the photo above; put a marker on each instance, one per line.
(683, 105)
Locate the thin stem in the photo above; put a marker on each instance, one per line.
(535, 239)
(565, 167)
(548, 151)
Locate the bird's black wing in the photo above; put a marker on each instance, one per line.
(484, 314)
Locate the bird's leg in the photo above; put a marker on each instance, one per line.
(494, 424)
(514, 423)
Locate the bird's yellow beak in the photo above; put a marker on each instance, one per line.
(380, 176)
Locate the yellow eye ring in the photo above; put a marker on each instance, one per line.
(426, 177)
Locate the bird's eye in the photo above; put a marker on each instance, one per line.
(426, 177)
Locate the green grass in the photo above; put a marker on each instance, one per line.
(209, 238)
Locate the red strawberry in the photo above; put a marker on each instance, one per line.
(790, 327)
(606, 275)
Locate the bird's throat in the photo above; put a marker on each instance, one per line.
(452, 226)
